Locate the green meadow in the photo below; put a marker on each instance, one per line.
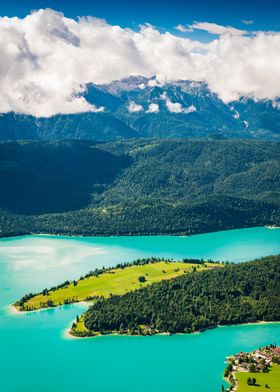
(271, 379)
(116, 281)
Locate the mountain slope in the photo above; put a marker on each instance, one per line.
(185, 109)
(138, 186)
(83, 126)
(54, 177)
(142, 107)
(187, 170)
(190, 109)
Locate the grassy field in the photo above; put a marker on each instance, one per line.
(272, 379)
(78, 328)
(116, 281)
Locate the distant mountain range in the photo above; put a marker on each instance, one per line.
(142, 107)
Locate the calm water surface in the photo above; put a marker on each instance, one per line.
(35, 355)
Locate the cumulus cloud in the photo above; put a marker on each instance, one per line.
(134, 108)
(153, 108)
(176, 107)
(47, 59)
(183, 29)
(214, 28)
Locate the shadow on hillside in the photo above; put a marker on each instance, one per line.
(49, 177)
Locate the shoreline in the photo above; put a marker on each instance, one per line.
(14, 311)
(67, 335)
(237, 364)
(86, 299)
(249, 323)
(140, 234)
(67, 331)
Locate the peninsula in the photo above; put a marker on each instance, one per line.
(105, 282)
(236, 294)
(152, 296)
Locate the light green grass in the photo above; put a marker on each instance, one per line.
(80, 326)
(78, 329)
(272, 379)
(117, 281)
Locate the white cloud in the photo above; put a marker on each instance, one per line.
(190, 109)
(47, 59)
(176, 107)
(153, 83)
(153, 108)
(134, 108)
(247, 22)
(183, 28)
(160, 80)
(214, 28)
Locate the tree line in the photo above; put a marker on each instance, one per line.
(240, 293)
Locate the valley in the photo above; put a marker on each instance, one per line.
(140, 196)
(138, 187)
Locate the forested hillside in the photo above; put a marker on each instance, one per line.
(54, 177)
(82, 126)
(144, 186)
(239, 293)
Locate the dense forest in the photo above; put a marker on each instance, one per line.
(239, 293)
(144, 186)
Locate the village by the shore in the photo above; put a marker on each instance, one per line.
(258, 361)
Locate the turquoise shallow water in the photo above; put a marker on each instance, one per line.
(35, 355)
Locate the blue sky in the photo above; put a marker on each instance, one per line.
(164, 14)
(47, 59)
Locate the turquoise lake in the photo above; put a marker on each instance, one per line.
(36, 356)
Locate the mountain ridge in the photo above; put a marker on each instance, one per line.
(138, 107)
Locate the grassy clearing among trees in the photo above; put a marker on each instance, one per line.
(235, 294)
(115, 281)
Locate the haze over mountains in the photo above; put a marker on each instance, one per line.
(146, 107)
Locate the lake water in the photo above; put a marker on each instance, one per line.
(35, 356)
